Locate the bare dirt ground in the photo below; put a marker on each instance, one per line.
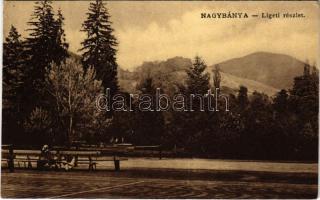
(149, 182)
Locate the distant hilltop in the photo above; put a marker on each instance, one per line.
(261, 71)
(276, 70)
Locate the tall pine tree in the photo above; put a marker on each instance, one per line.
(12, 60)
(195, 124)
(198, 79)
(99, 48)
(13, 79)
(45, 44)
(61, 44)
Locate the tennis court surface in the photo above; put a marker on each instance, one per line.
(151, 182)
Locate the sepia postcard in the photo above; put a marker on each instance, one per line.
(160, 99)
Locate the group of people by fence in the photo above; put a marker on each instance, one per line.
(47, 160)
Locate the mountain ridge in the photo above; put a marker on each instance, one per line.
(258, 71)
(276, 70)
(172, 71)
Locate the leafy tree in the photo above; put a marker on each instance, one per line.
(149, 125)
(304, 104)
(304, 95)
(39, 124)
(99, 48)
(309, 135)
(216, 77)
(258, 134)
(280, 103)
(285, 125)
(242, 98)
(75, 93)
(259, 100)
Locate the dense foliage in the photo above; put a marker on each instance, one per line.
(49, 97)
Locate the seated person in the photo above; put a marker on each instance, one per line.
(46, 159)
(69, 165)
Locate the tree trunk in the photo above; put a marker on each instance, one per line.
(70, 109)
(70, 130)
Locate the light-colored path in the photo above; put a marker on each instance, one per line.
(214, 164)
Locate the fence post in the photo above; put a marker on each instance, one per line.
(76, 157)
(160, 152)
(11, 159)
(116, 163)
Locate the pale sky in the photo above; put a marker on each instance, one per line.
(158, 30)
